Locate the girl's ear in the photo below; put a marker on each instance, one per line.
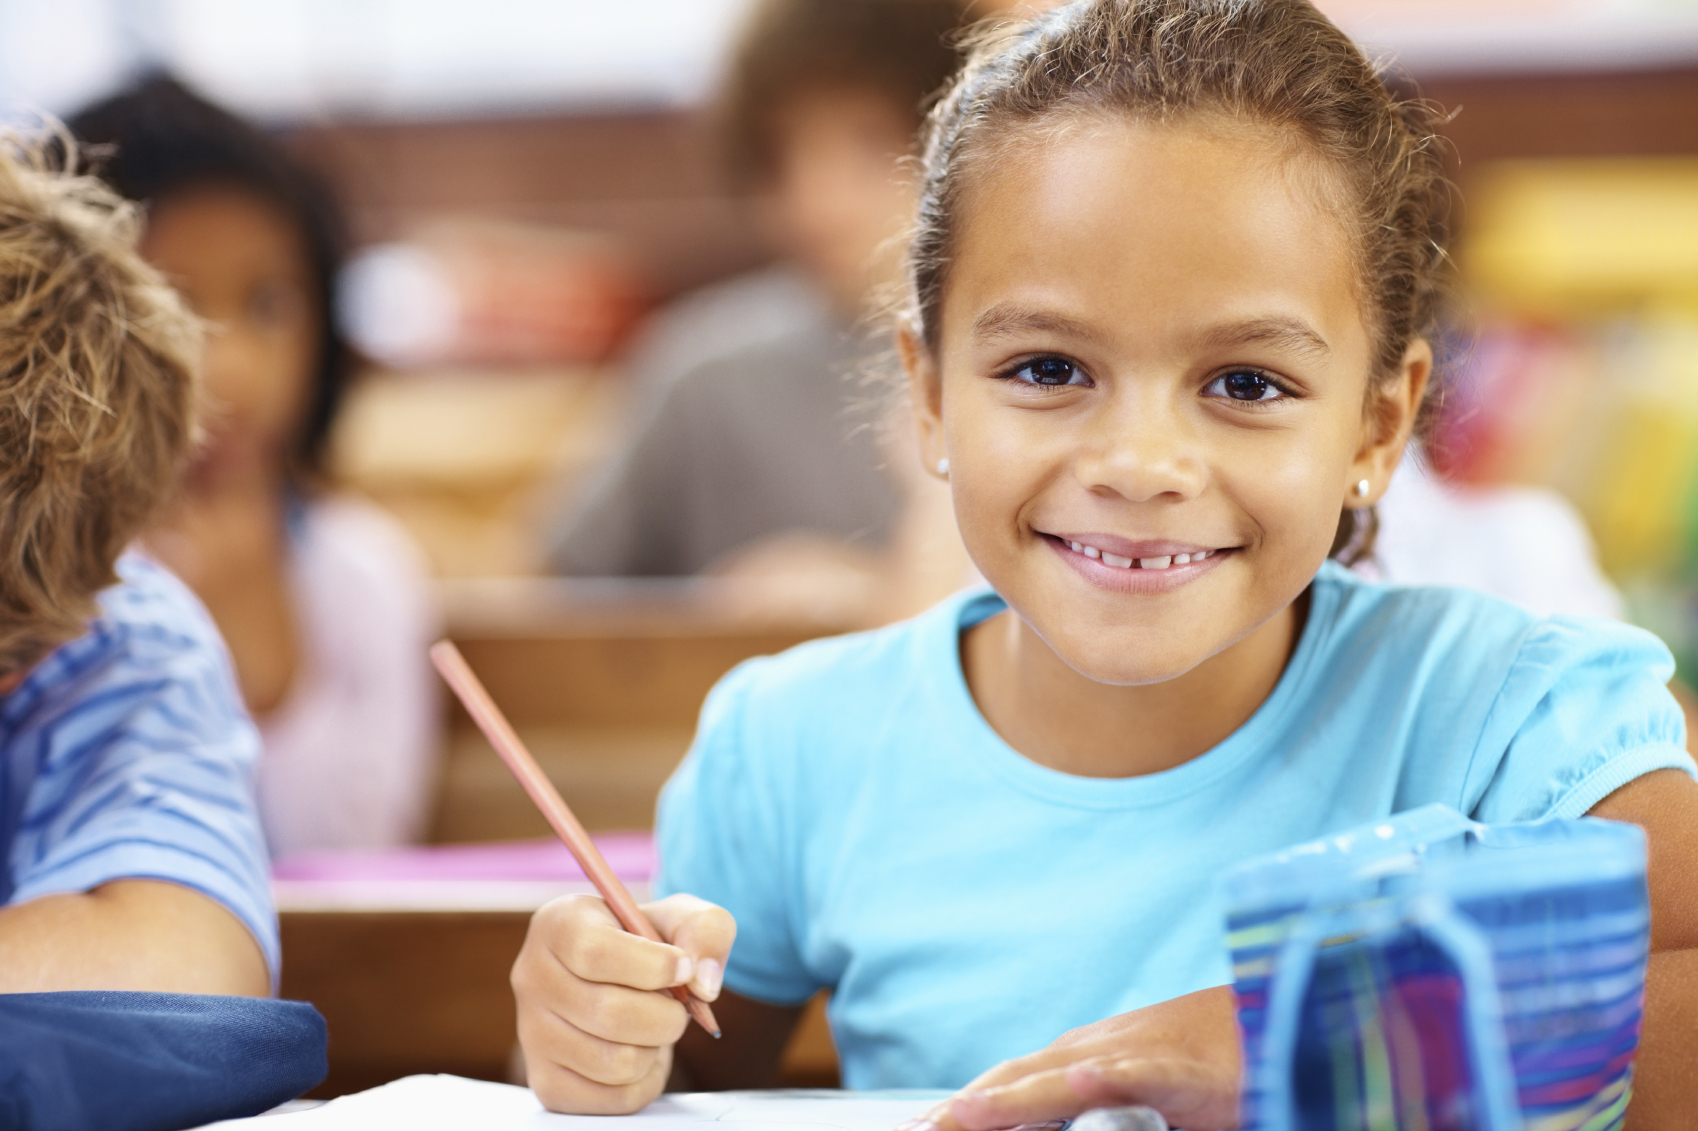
(1387, 426)
(925, 394)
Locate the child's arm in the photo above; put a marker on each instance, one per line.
(129, 935)
(1665, 805)
(597, 1039)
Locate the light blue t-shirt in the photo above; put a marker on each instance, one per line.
(127, 754)
(847, 802)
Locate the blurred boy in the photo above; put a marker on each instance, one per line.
(744, 433)
(132, 852)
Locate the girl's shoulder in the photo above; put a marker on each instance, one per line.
(1475, 702)
(1457, 634)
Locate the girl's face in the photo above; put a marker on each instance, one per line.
(1151, 354)
(241, 264)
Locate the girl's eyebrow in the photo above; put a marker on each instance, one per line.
(1007, 320)
(1292, 334)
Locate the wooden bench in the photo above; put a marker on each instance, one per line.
(604, 681)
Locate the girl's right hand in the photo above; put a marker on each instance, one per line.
(596, 1034)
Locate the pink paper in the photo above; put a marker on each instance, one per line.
(630, 855)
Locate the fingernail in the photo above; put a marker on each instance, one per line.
(710, 975)
(686, 967)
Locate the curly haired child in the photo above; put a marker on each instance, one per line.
(132, 852)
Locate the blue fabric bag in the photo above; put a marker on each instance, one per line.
(106, 1061)
(1429, 973)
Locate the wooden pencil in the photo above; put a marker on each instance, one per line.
(501, 735)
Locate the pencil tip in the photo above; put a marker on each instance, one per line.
(716, 1034)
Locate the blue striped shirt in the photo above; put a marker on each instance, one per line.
(127, 754)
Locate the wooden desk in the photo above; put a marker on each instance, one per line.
(603, 679)
(416, 981)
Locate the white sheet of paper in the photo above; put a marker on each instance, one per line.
(453, 1103)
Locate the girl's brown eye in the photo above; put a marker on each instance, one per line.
(1050, 371)
(1246, 385)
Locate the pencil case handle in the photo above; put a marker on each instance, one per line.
(1436, 919)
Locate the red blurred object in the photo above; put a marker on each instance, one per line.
(498, 294)
(1498, 392)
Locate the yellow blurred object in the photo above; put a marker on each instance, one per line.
(1640, 498)
(461, 458)
(1577, 238)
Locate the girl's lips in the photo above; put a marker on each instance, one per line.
(1163, 574)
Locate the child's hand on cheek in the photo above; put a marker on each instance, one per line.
(1180, 1057)
(596, 1034)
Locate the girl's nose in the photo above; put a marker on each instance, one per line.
(1140, 451)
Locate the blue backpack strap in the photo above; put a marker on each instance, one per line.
(151, 1062)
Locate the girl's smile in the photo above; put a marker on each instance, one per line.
(1121, 566)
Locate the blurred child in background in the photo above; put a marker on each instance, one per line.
(744, 432)
(321, 597)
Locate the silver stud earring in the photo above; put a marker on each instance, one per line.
(943, 467)
(1362, 488)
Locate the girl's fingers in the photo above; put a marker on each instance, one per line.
(583, 934)
(1188, 1093)
(1034, 1098)
(1048, 1060)
(703, 931)
(561, 1088)
(548, 1037)
(612, 1012)
(618, 1013)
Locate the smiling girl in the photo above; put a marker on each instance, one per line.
(1172, 281)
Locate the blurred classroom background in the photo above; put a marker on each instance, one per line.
(526, 181)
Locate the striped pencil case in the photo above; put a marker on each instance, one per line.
(1429, 973)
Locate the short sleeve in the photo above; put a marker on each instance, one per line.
(1585, 709)
(142, 760)
(721, 833)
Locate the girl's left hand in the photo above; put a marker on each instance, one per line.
(1180, 1057)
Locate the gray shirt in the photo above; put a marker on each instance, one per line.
(755, 440)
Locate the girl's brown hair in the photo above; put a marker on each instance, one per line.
(97, 395)
(1277, 63)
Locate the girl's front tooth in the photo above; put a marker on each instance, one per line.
(1117, 561)
(1091, 552)
(1155, 563)
(1182, 559)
